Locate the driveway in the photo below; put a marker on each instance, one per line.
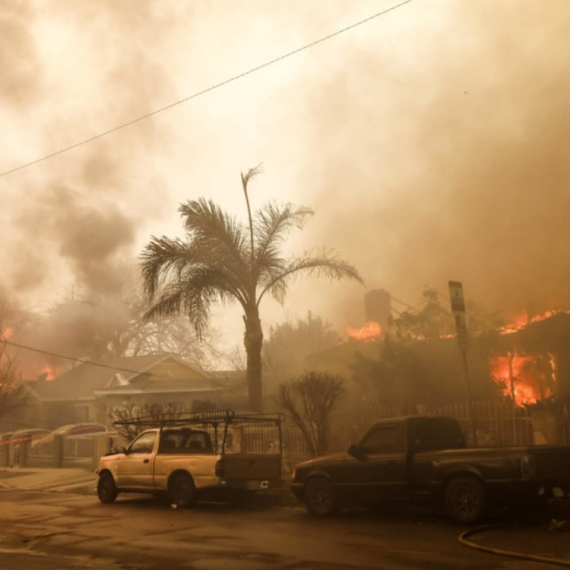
(59, 530)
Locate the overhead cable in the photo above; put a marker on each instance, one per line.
(216, 86)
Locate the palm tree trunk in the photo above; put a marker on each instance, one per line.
(253, 341)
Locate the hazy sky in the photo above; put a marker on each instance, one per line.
(431, 141)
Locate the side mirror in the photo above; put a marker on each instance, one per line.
(119, 450)
(356, 451)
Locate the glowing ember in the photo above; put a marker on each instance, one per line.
(524, 378)
(7, 334)
(49, 371)
(368, 332)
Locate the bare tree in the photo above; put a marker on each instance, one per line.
(132, 411)
(309, 401)
(88, 326)
(288, 345)
(13, 394)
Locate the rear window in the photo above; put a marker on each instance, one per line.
(437, 433)
(185, 441)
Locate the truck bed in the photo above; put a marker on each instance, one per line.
(251, 466)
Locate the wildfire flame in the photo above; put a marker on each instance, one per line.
(368, 332)
(522, 320)
(524, 378)
(7, 334)
(50, 372)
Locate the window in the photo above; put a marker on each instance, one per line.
(437, 433)
(384, 439)
(198, 442)
(185, 441)
(143, 444)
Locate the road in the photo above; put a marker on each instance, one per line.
(57, 531)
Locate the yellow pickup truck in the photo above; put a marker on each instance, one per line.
(192, 453)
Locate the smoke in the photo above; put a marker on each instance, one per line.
(451, 163)
(20, 79)
(430, 142)
(69, 71)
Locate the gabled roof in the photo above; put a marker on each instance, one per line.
(82, 381)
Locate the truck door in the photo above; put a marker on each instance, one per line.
(379, 466)
(135, 467)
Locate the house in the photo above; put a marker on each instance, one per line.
(530, 362)
(89, 391)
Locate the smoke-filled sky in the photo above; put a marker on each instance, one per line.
(431, 142)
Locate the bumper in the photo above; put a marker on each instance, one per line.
(298, 489)
(252, 484)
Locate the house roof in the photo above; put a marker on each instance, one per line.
(150, 386)
(116, 374)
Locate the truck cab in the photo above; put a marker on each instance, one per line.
(185, 456)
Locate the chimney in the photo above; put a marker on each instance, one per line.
(378, 307)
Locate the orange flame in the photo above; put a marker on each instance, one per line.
(50, 371)
(527, 378)
(368, 332)
(7, 334)
(522, 320)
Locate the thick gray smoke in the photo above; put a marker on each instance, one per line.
(453, 164)
(430, 142)
(69, 226)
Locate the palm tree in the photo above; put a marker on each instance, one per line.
(223, 260)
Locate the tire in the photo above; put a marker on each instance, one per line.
(320, 497)
(106, 489)
(466, 500)
(182, 491)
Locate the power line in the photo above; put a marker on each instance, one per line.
(402, 302)
(216, 86)
(91, 363)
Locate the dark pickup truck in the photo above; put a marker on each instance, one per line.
(414, 456)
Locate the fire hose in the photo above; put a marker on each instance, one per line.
(509, 553)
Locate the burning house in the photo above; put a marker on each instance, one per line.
(531, 359)
(527, 363)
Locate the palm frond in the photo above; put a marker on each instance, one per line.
(193, 295)
(323, 264)
(273, 225)
(251, 173)
(164, 258)
(217, 232)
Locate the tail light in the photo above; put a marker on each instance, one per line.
(220, 471)
(528, 466)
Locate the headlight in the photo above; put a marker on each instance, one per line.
(528, 466)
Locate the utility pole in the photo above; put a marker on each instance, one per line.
(458, 311)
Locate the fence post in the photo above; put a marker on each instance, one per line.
(23, 453)
(57, 450)
(5, 450)
(100, 447)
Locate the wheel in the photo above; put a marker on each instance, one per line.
(320, 497)
(106, 489)
(466, 500)
(182, 490)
